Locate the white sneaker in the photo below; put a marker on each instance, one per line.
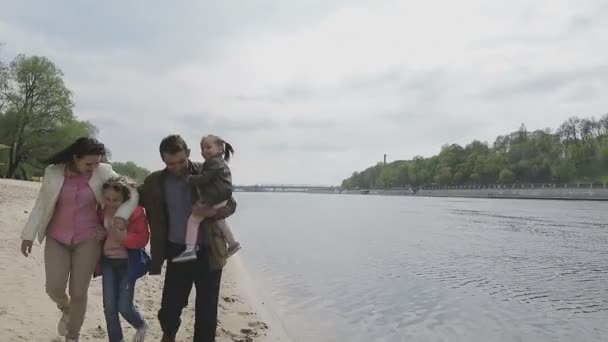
(235, 247)
(140, 334)
(187, 255)
(62, 326)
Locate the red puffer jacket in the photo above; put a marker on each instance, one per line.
(138, 234)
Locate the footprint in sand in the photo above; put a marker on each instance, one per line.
(230, 334)
(243, 339)
(258, 325)
(98, 332)
(231, 300)
(254, 328)
(249, 332)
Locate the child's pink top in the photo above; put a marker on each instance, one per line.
(113, 248)
(135, 236)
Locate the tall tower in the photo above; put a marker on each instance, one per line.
(384, 159)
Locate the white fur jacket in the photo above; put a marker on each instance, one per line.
(52, 183)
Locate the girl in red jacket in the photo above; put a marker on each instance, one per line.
(118, 247)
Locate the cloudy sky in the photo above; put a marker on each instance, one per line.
(309, 91)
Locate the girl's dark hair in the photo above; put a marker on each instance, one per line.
(120, 184)
(84, 146)
(228, 149)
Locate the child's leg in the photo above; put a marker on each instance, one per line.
(233, 245)
(110, 280)
(226, 232)
(223, 226)
(191, 235)
(192, 231)
(192, 227)
(126, 305)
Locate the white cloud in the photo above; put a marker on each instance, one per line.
(310, 91)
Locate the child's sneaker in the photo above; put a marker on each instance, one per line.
(233, 248)
(187, 255)
(140, 334)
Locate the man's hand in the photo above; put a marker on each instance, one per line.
(26, 247)
(119, 223)
(200, 209)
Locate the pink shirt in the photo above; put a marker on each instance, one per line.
(113, 248)
(75, 216)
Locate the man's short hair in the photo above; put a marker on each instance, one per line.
(172, 144)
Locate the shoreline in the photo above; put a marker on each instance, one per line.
(27, 314)
(548, 194)
(589, 199)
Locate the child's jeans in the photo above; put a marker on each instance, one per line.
(118, 294)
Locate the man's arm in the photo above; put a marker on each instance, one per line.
(225, 211)
(140, 190)
(146, 189)
(215, 214)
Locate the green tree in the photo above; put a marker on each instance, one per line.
(577, 151)
(506, 176)
(37, 113)
(131, 170)
(563, 171)
(459, 178)
(444, 176)
(390, 176)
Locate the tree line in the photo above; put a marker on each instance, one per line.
(37, 118)
(577, 151)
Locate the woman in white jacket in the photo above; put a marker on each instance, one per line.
(65, 213)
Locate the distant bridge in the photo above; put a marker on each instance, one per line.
(286, 188)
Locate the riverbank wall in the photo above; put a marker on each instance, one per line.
(549, 193)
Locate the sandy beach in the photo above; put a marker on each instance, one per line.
(27, 314)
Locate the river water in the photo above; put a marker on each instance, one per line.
(372, 268)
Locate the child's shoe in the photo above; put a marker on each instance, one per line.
(233, 248)
(185, 256)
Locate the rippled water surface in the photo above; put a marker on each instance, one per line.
(367, 268)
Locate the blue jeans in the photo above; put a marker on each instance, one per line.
(118, 294)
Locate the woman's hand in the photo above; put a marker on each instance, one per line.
(26, 247)
(101, 233)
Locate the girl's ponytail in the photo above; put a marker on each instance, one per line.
(228, 151)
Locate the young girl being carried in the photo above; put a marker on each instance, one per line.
(213, 187)
(123, 260)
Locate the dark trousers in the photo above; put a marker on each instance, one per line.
(179, 278)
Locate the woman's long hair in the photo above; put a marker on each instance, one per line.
(81, 147)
